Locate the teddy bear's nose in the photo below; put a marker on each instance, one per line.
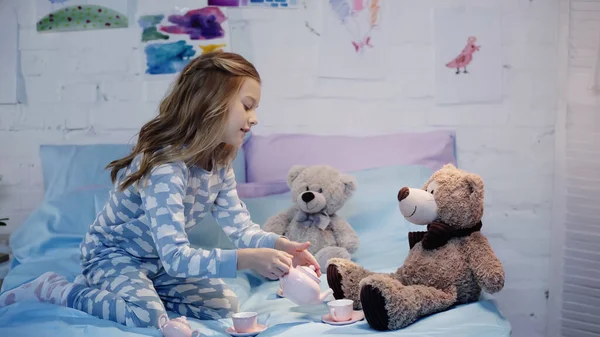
(403, 193)
(308, 196)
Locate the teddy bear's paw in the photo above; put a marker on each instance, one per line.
(373, 305)
(494, 282)
(343, 277)
(339, 261)
(375, 294)
(390, 305)
(334, 279)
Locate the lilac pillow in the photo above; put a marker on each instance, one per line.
(269, 158)
(255, 190)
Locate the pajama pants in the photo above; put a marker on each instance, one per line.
(136, 292)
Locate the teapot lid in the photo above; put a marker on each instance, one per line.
(310, 271)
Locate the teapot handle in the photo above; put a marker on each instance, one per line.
(162, 321)
(282, 282)
(196, 333)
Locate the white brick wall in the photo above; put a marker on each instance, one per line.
(86, 87)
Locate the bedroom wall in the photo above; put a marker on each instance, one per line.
(86, 87)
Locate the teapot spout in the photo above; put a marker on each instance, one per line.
(324, 294)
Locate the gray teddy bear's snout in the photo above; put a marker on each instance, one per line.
(311, 202)
(308, 196)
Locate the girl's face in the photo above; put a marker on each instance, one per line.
(242, 113)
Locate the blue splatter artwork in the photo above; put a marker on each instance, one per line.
(168, 58)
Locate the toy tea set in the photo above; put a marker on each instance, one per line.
(300, 285)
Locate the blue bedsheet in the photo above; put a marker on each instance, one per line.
(49, 241)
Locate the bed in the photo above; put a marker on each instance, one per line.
(49, 240)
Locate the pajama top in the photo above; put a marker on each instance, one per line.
(149, 219)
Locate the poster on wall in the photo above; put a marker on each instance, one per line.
(8, 54)
(172, 36)
(255, 3)
(468, 55)
(73, 15)
(351, 43)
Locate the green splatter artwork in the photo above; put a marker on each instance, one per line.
(148, 23)
(82, 17)
(151, 33)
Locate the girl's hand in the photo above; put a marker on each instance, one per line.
(301, 255)
(270, 263)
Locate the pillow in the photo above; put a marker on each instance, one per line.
(269, 158)
(68, 167)
(254, 190)
(374, 202)
(376, 192)
(375, 196)
(372, 212)
(57, 226)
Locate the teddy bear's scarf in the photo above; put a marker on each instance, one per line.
(320, 220)
(438, 234)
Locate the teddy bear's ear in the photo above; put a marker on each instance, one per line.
(448, 166)
(475, 184)
(294, 173)
(349, 184)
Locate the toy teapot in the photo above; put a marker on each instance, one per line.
(301, 286)
(177, 327)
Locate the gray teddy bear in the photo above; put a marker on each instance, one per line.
(318, 192)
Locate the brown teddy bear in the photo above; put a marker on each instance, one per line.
(449, 264)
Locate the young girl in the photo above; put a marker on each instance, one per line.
(136, 258)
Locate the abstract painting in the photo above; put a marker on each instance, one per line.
(255, 3)
(167, 58)
(199, 24)
(173, 36)
(352, 39)
(149, 30)
(468, 55)
(72, 15)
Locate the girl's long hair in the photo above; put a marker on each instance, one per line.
(191, 117)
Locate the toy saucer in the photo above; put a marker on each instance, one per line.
(259, 328)
(357, 315)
